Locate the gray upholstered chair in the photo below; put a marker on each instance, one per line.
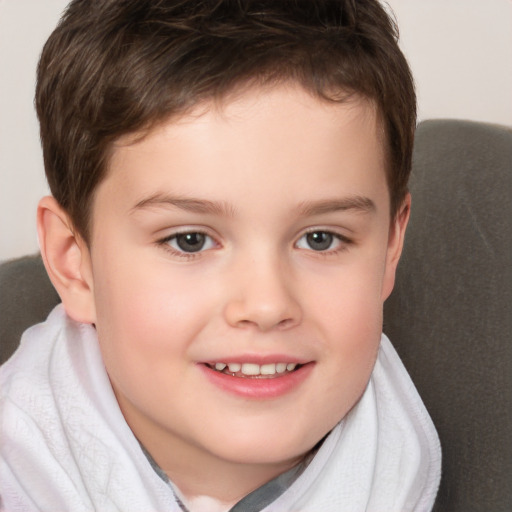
(450, 315)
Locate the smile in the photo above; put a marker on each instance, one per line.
(252, 370)
(253, 381)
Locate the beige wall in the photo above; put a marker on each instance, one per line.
(460, 52)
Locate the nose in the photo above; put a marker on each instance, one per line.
(263, 297)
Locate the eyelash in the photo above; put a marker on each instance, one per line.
(165, 243)
(342, 240)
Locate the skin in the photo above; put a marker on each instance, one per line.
(255, 175)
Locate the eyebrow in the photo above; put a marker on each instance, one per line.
(306, 209)
(185, 203)
(358, 203)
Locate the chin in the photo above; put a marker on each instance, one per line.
(270, 449)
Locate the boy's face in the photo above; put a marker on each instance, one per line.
(256, 233)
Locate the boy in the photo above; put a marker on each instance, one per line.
(229, 204)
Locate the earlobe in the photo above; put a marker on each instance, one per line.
(395, 246)
(67, 260)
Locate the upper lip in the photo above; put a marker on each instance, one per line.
(260, 359)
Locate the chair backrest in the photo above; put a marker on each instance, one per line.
(450, 315)
(26, 298)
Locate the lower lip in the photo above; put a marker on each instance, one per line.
(258, 388)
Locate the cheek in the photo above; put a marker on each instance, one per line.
(146, 312)
(349, 297)
(348, 312)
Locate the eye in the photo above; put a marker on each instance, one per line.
(190, 242)
(320, 241)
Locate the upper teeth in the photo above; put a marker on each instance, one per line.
(256, 369)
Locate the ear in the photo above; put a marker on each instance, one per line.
(395, 245)
(67, 260)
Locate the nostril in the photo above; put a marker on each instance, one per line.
(285, 323)
(265, 326)
(245, 323)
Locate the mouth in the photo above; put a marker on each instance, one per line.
(252, 381)
(253, 370)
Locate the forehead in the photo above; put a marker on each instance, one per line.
(256, 139)
(253, 103)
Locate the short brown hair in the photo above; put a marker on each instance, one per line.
(114, 67)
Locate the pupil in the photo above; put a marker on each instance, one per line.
(319, 240)
(190, 242)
